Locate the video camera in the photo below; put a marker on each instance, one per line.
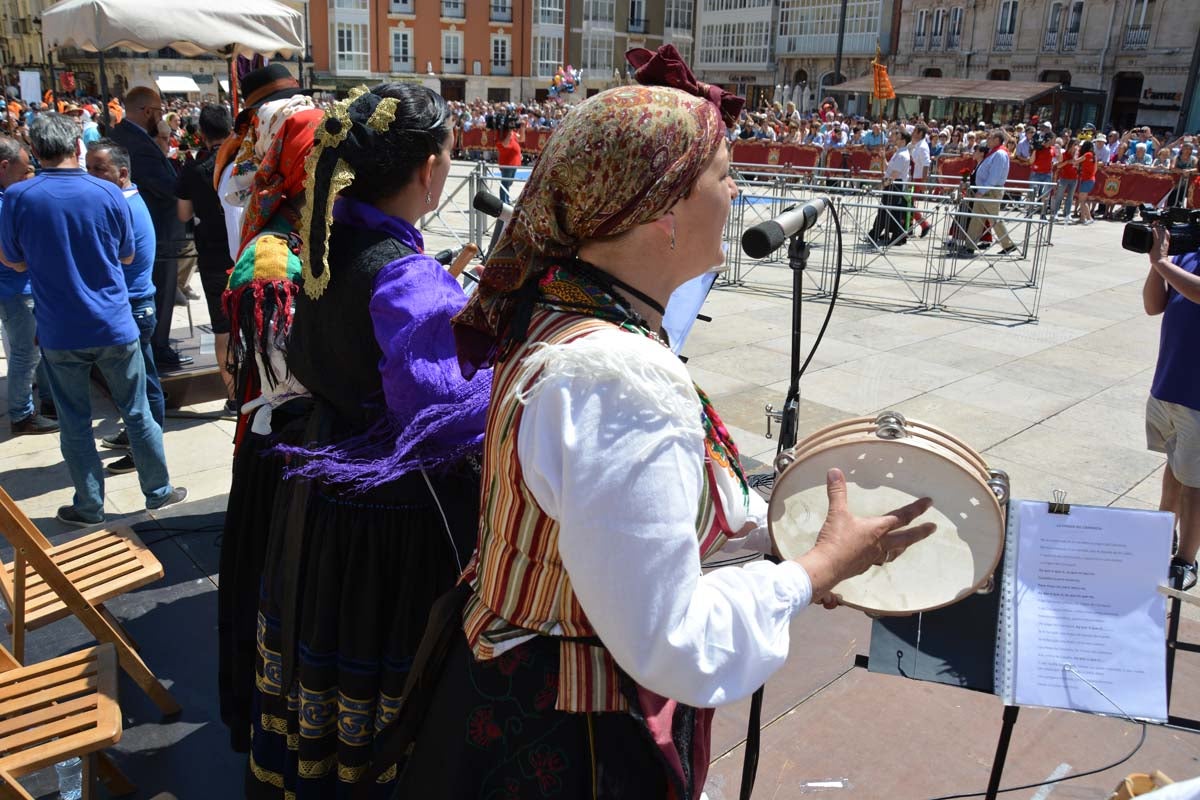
(1182, 223)
(1041, 139)
(502, 122)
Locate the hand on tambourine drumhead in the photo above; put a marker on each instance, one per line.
(848, 545)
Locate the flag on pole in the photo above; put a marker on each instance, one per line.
(883, 84)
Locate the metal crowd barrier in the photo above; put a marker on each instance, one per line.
(924, 274)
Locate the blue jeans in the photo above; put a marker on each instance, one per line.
(1043, 183)
(125, 373)
(146, 319)
(1064, 191)
(24, 363)
(507, 175)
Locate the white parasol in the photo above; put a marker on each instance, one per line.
(221, 27)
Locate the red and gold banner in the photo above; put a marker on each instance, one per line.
(775, 155)
(1194, 193)
(1133, 185)
(484, 139)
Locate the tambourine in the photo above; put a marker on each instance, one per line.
(889, 462)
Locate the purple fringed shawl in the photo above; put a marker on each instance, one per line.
(434, 417)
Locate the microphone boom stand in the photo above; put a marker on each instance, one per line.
(788, 418)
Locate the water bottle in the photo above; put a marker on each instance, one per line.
(70, 778)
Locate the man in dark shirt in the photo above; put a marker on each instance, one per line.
(1172, 289)
(198, 199)
(155, 178)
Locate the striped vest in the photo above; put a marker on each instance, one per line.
(519, 582)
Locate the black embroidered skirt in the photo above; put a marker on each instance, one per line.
(347, 587)
(256, 475)
(492, 733)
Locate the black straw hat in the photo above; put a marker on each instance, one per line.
(272, 82)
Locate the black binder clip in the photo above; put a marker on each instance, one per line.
(1060, 504)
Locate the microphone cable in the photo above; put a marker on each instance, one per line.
(833, 298)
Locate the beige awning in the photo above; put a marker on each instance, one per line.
(953, 88)
(222, 27)
(176, 84)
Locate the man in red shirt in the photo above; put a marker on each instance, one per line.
(508, 150)
(1044, 154)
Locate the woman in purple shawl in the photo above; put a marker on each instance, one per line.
(381, 509)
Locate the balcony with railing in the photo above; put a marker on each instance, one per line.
(1070, 42)
(452, 66)
(1137, 37)
(637, 25)
(952, 41)
(1050, 42)
(403, 65)
(501, 12)
(400, 7)
(935, 42)
(502, 68)
(1004, 41)
(919, 41)
(455, 9)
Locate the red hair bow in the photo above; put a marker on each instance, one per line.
(666, 67)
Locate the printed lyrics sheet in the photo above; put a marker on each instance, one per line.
(1090, 623)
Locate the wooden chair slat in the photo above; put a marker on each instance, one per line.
(51, 694)
(81, 568)
(47, 732)
(50, 753)
(96, 589)
(83, 706)
(13, 683)
(89, 540)
(113, 551)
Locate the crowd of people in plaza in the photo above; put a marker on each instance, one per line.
(462, 548)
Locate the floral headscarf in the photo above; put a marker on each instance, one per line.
(620, 159)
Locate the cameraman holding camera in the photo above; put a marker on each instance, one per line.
(1173, 409)
(509, 135)
(1044, 156)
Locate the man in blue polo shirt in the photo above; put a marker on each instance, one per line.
(109, 161)
(73, 232)
(1173, 410)
(16, 318)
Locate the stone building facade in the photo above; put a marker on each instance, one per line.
(1140, 56)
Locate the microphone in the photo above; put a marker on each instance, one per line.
(493, 206)
(446, 257)
(766, 237)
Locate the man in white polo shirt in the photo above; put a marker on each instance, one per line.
(919, 149)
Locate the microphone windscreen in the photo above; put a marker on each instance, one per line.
(488, 203)
(763, 239)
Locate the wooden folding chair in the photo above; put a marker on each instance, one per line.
(56, 710)
(45, 583)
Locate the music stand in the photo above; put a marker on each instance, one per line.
(956, 646)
